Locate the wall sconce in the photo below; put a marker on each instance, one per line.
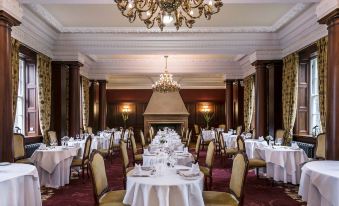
(125, 113)
(208, 116)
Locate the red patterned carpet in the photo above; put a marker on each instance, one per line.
(258, 192)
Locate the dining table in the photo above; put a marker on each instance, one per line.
(165, 189)
(208, 135)
(53, 165)
(180, 157)
(19, 185)
(283, 163)
(319, 184)
(230, 140)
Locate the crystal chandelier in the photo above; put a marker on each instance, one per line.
(164, 12)
(166, 83)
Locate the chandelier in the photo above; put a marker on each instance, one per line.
(164, 12)
(166, 83)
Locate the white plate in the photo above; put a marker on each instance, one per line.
(4, 163)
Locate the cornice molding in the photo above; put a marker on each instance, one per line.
(325, 7)
(13, 8)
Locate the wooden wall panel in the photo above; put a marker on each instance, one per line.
(32, 110)
(302, 119)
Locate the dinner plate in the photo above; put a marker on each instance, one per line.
(4, 163)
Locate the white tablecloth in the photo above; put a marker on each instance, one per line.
(230, 140)
(167, 190)
(208, 135)
(182, 159)
(283, 163)
(251, 145)
(319, 184)
(19, 185)
(54, 165)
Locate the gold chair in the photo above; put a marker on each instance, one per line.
(52, 137)
(83, 163)
(320, 147)
(185, 136)
(102, 194)
(224, 151)
(151, 134)
(197, 149)
(90, 130)
(253, 163)
(237, 183)
(125, 161)
(142, 138)
(222, 126)
(203, 141)
(137, 158)
(189, 140)
(239, 130)
(196, 130)
(108, 153)
(207, 169)
(19, 151)
(182, 131)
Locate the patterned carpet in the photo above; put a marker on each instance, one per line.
(258, 192)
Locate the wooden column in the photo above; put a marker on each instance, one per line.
(260, 99)
(102, 105)
(6, 107)
(74, 98)
(332, 120)
(238, 103)
(229, 104)
(94, 105)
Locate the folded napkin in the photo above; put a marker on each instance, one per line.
(195, 169)
(186, 150)
(137, 169)
(261, 138)
(295, 145)
(146, 152)
(188, 174)
(42, 147)
(71, 139)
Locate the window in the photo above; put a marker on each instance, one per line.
(19, 124)
(314, 96)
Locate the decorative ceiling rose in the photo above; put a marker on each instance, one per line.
(164, 12)
(166, 83)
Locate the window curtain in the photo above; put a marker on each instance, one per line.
(322, 73)
(85, 102)
(44, 96)
(15, 73)
(248, 101)
(289, 94)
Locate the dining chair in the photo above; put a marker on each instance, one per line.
(109, 152)
(320, 147)
(239, 130)
(142, 138)
(19, 151)
(90, 130)
(252, 163)
(183, 131)
(235, 196)
(225, 152)
(151, 134)
(185, 136)
(279, 135)
(52, 137)
(207, 169)
(222, 126)
(125, 161)
(197, 149)
(83, 162)
(196, 130)
(137, 158)
(189, 140)
(103, 195)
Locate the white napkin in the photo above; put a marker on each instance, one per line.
(195, 169)
(295, 145)
(146, 152)
(185, 150)
(137, 169)
(261, 138)
(71, 139)
(42, 146)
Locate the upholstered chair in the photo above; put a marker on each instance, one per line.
(137, 158)
(196, 130)
(253, 163)
(151, 134)
(224, 151)
(235, 197)
(320, 151)
(189, 139)
(52, 137)
(83, 163)
(197, 149)
(125, 161)
(239, 130)
(103, 196)
(185, 136)
(90, 130)
(108, 153)
(222, 126)
(207, 169)
(203, 141)
(19, 151)
(279, 134)
(142, 138)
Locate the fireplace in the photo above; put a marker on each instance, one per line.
(165, 109)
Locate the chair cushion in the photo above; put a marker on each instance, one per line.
(231, 151)
(219, 198)
(78, 163)
(104, 152)
(205, 170)
(25, 161)
(112, 198)
(138, 157)
(254, 163)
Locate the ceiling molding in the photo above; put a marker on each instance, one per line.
(325, 7)
(12, 7)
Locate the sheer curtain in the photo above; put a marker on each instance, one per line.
(322, 45)
(290, 94)
(248, 101)
(85, 102)
(44, 95)
(15, 73)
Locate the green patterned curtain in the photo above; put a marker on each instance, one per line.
(290, 94)
(248, 101)
(15, 73)
(44, 85)
(322, 45)
(85, 102)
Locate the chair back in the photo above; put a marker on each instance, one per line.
(238, 176)
(182, 131)
(222, 126)
(189, 139)
(89, 130)
(197, 145)
(87, 150)
(142, 137)
(124, 157)
(187, 134)
(52, 137)
(279, 134)
(221, 141)
(98, 174)
(134, 145)
(320, 150)
(241, 144)
(18, 146)
(111, 142)
(196, 129)
(210, 155)
(239, 130)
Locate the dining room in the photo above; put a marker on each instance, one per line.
(169, 102)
